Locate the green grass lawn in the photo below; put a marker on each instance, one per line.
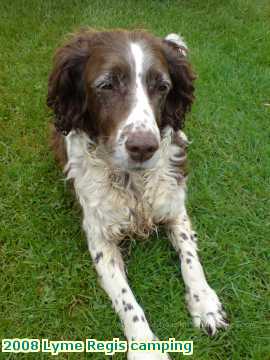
(48, 287)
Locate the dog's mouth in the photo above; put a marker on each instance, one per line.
(130, 165)
(142, 165)
(137, 167)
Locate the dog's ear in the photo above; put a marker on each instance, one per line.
(181, 96)
(66, 90)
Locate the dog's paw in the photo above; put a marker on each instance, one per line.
(136, 355)
(206, 310)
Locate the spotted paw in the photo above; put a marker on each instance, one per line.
(206, 310)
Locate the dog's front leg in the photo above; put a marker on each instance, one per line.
(203, 303)
(110, 268)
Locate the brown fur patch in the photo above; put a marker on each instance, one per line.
(57, 144)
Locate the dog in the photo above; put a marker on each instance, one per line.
(119, 100)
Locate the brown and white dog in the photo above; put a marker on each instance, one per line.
(120, 99)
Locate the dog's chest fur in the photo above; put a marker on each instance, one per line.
(120, 203)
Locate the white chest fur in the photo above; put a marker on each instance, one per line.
(117, 203)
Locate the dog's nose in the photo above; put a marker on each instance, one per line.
(141, 146)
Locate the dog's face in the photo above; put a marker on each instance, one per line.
(122, 88)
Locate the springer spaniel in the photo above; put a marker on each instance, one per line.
(120, 99)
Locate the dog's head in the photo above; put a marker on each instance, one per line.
(122, 88)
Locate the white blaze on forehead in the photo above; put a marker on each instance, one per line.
(141, 115)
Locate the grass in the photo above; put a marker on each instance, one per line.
(48, 285)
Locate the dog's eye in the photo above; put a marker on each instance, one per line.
(163, 87)
(105, 86)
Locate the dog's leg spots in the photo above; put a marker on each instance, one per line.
(130, 307)
(184, 236)
(202, 301)
(98, 257)
(109, 264)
